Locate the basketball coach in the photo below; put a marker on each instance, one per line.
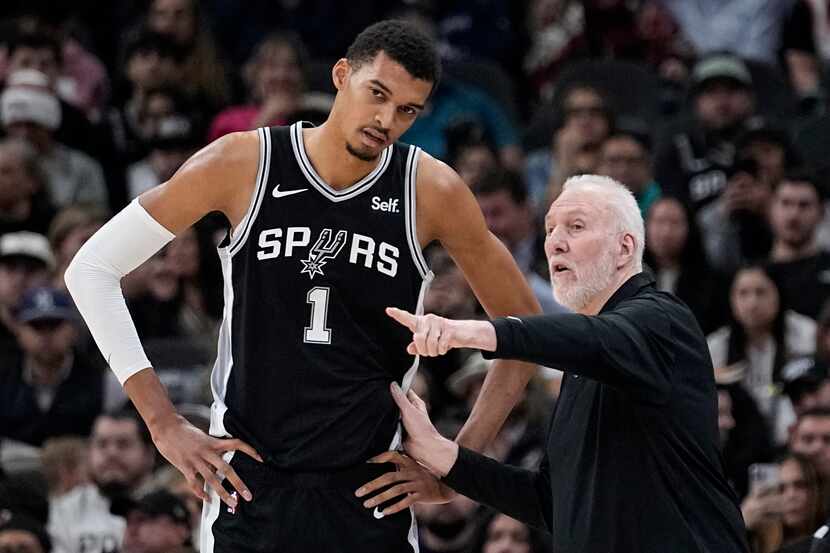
(631, 456)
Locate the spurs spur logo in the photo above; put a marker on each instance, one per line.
(323, 250)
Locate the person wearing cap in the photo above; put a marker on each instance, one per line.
(25, 262)
(21, 534)
(625, 156)
(30, 110)
(695, 152)
(159, 522)
(50, 389)
(806, 383)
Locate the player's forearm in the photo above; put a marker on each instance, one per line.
(502, 389)
(150, 397)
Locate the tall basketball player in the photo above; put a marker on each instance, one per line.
(327, 225)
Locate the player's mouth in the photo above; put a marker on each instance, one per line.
(373, 138)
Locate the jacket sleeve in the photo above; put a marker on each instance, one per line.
(519, 493)
(629, 348)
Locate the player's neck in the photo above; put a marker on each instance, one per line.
(326, 149)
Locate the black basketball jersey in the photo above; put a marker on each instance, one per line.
(306, 352)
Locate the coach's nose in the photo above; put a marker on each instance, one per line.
(556, 242)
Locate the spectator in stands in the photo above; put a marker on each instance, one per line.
(769, 144)
(174, 141)
(276, 80)
(146, 93)
(803, 41)
(69, 230)
(797, 262)
(734, 226)
(121, 458)
(625, 156)
(50, 390)
(674, 253)
(21, 534)
(556, 30)
(30, 110)
(790, 511)
(806, 383)
(695, 153)
(498, 533)
(811, 437)
(446, 528)
(202, 71)
(26, 261)
(745, 435)
(191, 257)
(503, 200)
(471, 155)
(586, 121)
(41, 51)
(748, 28)
(65, 464)
(823, 334)
(24, 204)
(761, 338)
(159, 522)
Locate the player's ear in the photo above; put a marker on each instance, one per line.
(340, 73)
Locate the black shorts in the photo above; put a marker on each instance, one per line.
(304, 512)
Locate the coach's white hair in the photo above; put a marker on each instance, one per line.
(621, 203)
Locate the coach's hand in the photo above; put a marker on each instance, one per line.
(410, 480)
(199, 458)
(433, 335)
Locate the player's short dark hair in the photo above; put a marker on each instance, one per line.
(36, 41)
(806, 176)
(502, 180)
(403, 42)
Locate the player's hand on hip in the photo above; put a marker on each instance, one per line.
(199, 458)
(410, 481)
(431, 335)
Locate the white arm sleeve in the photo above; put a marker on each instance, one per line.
(94, 281)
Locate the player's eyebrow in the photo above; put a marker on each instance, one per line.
(386, 89)
(381, 86)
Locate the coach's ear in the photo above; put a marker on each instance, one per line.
(340, 73)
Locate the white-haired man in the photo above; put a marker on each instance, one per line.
(631, 461)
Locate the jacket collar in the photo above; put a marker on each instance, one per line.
(628, 289)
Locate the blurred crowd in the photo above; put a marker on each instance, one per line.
(714, 113)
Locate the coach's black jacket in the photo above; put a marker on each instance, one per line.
(631, 462)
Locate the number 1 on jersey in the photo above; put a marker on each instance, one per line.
(316, 332)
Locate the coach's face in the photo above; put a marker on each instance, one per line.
(580, 245)
(380, 101)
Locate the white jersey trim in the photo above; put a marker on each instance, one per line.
(321, 185)
(410, 215)
(409, 376)
(210, 512)
(240, 234)
(224, 352)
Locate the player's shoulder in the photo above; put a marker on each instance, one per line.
(436, 177)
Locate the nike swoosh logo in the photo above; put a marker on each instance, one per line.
(378, 514)
(277, 194)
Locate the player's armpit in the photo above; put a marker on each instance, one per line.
(219, 177)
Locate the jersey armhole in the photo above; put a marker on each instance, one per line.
(238, 235)
(410, 204)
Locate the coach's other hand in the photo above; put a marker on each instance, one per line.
(199, 458)
(423, 442)
(433, 335)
